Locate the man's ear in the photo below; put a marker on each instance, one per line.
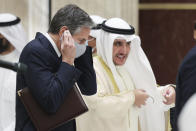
(61, 31)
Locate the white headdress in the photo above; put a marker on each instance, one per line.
(138, 67)
(12, 30)
(97, 20)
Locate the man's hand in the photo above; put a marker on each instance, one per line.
(140, 97)
(68, 49)
(170, 95)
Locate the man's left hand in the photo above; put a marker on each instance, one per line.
(169, 94)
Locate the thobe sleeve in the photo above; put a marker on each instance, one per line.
(107, 106)
(164, 106)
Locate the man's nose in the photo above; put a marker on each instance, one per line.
(123, 49)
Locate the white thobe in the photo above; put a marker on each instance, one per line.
(109, 110)
(8, 93)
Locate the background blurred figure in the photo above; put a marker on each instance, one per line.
(12, 41)
(95, 32)
(186, 81)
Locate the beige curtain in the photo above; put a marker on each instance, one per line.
(125, 9)
(37, 17)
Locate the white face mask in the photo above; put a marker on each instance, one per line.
(80, 49)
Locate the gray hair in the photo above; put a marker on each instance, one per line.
(71, 16)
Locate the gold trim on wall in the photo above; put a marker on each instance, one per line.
(167, 6)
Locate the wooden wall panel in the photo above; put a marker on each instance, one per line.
(166, 35)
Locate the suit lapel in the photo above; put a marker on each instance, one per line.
(46, 43)
(54, 59)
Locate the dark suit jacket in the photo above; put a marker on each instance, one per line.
(49, 80)
(186, 82)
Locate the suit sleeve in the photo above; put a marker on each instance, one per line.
(87, 81)
(49, 88)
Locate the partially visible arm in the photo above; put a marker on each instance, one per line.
(87, 81)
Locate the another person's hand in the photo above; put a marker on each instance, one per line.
(140, 97)
(169, 94)
(68, 49)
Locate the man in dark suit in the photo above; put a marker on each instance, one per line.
(186, 83)
(50, 58)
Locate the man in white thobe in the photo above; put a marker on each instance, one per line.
(127, 96)
(95, 32)
(12, 41)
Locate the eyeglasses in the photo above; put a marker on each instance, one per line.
(90, 38)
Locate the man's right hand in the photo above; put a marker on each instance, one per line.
(140, 97)
(68, 49)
